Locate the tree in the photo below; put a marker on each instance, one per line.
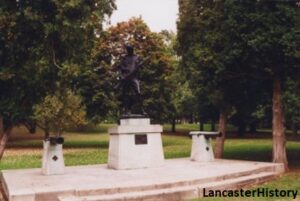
(41, 41)
(95, 85)
(58, 112)
(203, 46)
(182, 99)
(275, 42)
(251, 95)
(232, 43)
(150, 47)
(291, 103)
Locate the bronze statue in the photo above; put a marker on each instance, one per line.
(129, 71)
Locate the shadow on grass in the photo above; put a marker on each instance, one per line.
(86, 144)
(263, 154)
(92, 129)
(68, 144)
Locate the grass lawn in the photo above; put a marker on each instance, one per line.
(189, 127)
(25, 150)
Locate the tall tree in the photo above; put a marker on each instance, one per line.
(238, 42)
(183, 103)
(275, 40)
(203, 46)
(42, 42)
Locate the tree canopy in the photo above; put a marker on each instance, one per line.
(42, 41)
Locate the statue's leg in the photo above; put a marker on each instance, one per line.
(125, 101)
(136, 85)
(139, 98)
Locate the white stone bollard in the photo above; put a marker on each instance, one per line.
(135, 143)
(53, 160)
(201, 146)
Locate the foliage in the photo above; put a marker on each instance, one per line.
(274, 37)
(60, 111)
(202, 46)
(291, 99)
(231, 51)
(96, 88)
(43, 42)
(182, 97)
(155, 72)
(184, 100)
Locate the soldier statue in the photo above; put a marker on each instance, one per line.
(129, 83)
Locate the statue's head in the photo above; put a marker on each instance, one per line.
(129, 49)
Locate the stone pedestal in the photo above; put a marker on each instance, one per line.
(53, 160)
(201, 146)
(135, 143)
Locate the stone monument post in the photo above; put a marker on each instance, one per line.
(53, 160)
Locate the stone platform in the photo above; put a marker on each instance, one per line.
(178, 179)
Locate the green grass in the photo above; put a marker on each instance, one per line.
(21, 161)
(80, 149)
(92, 148)
(185, 127)
(25, 151)
(91, 128)
(190, 127)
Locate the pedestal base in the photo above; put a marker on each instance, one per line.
(201, 149)
(53, 160)
(135, 143)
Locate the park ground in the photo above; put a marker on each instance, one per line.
(90, 146)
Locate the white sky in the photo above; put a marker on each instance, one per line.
(158, 14)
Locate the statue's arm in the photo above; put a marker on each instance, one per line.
(119, 66)
(141, 62)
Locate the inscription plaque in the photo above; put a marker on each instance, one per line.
(140, 139)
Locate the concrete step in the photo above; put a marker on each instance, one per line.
(181, 183)
(158, 195)
(240, 182)
(179, 192)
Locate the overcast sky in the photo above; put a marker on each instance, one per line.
(158, 14)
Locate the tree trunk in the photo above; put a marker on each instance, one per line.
(201, 126)
(242, 128)
(279, 150)
(1, 125)
(252, 128)
(3, 140)
(213, 126)
(31, 126)
(47, 134)
(294, 128)
(219, 148)
(173, 125)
